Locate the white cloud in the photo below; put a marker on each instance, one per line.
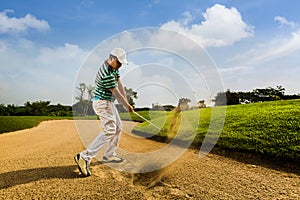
(87, 3)
(159, 69)
(233, 69)
(30, 73)
(222, 26)
(65, 56)
(165, 86)
(268, 74)
(272, 62)
(21, 25)
(187, 19)
(271, 50)
(154, 2)
(2, 47)
(283, 21)
(274, 48)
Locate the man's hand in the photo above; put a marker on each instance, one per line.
(130, 108)
(122, 99)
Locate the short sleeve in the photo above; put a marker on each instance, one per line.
(109, 81)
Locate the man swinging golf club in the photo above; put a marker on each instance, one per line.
(108, 88)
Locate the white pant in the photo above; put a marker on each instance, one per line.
(112, 126)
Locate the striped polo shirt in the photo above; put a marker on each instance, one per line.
(106, 79)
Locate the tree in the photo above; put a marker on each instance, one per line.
(157, 107)
(183, 104)
(269, 93)
(232, 98)
(246, 97)
(220, 99)
(201, 104)
(3, 111)
(227, 98)
(130, 95)
(168, 107)
(59, 110)
(84, 97)
(90, 92)
(88, 102)
(81, 91)
(37, 108)
(259, 94)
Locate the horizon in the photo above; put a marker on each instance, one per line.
(51, 103)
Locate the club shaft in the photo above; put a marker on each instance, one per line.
(146, 120)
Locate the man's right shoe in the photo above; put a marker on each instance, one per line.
(114, 159)
(83, 165)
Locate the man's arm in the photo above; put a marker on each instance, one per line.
(121, 98)
(121, 88)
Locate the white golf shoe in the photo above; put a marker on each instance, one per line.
(83, 165)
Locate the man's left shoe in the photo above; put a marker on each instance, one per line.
(83, 165)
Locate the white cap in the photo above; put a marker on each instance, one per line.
(120, 54)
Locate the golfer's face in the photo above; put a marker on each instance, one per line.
(117, 63)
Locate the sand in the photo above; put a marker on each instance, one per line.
(38, 163)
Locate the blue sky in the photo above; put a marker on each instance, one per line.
(43, 44)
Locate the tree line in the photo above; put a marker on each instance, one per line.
(37, 108)
(256, 95)
(84, 97)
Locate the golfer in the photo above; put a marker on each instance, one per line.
(108, 88)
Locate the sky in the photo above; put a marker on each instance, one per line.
(48, 47)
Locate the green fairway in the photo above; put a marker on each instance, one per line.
(268, 128)
(14, 123)
(146, 114)
(271, 128)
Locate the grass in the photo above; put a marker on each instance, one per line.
(14, 123)
(268, 128)
(146, 114)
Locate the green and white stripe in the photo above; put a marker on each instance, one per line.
(106, 79)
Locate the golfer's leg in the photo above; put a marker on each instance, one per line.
(94, 147)
(101, 108)
(114, 140)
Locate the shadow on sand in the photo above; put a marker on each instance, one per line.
(278, 164)
(13, 178)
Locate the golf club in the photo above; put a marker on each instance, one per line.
(146, 120)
